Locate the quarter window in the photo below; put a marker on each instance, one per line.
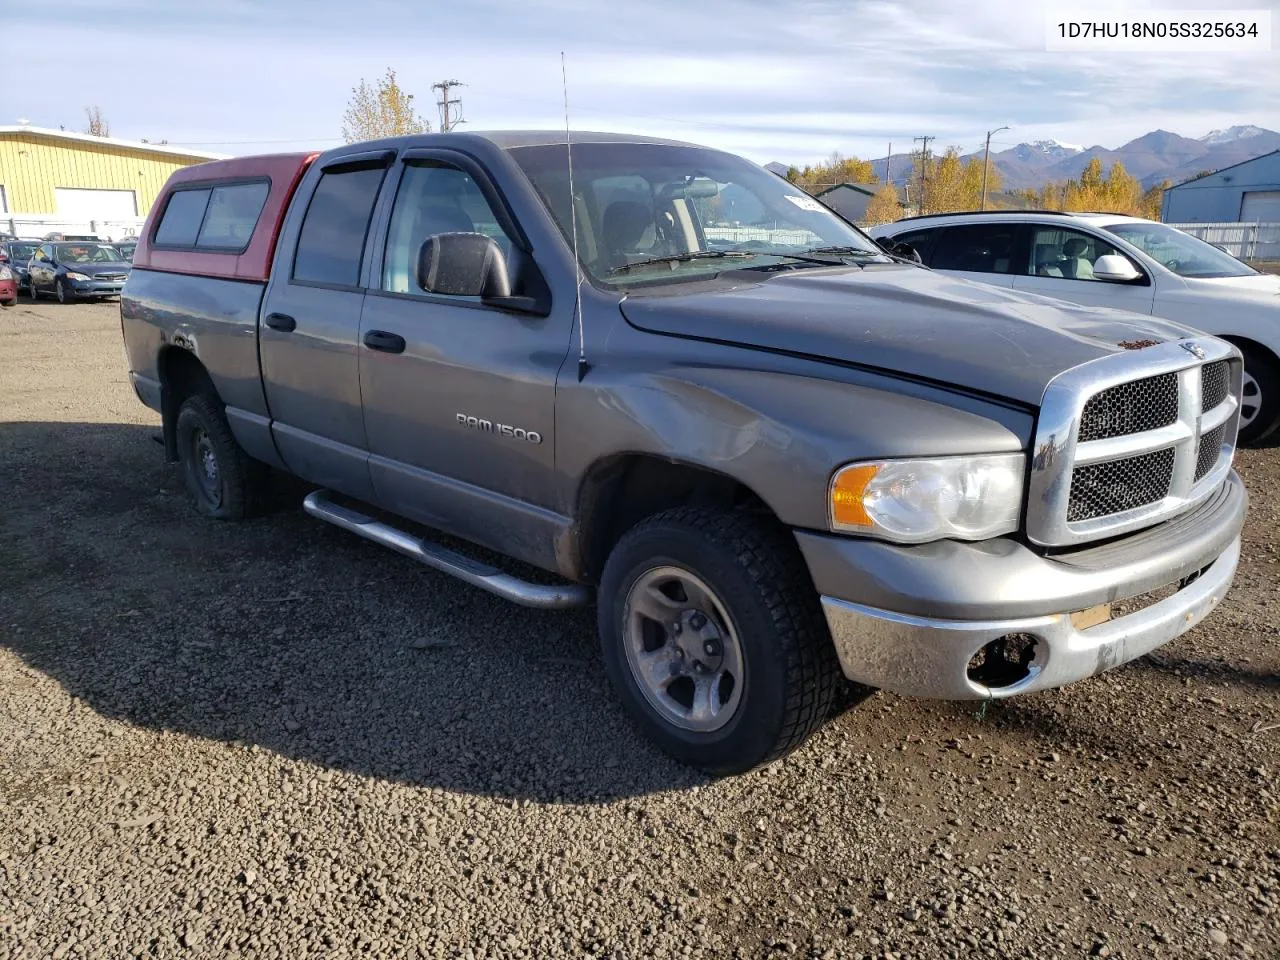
(183, 214)
(433, 198)
(331, 242)
(976, 248)
(232, 215)
(1065, 254)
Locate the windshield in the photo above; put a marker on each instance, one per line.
(22, 251)
(126, 248)
(1180, 252)
(87, 253)
(659, 213)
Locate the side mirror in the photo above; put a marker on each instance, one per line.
(463, 265)
(904, 250)
(1115, 268)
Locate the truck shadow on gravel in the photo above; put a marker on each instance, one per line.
(290, 635)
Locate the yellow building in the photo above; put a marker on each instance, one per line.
(78, 178)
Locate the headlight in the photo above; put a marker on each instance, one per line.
(6, 273)
(913, 501)
(72, 275)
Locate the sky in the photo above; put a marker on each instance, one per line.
(785, 80)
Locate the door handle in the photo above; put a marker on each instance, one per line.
(278, 321)
(386, 342)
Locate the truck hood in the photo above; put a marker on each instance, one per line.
(909, 321)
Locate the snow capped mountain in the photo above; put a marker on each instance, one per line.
(1042, 150)
(1232, 133)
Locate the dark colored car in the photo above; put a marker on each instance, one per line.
(15, 254)
(73, 270)
(126, 247)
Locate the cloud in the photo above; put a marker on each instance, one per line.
(774, 81)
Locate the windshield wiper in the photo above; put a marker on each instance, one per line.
(837, 251)
(682, 257)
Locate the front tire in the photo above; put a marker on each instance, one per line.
(713, 638)
(224, 481)
(1260, 402)
(64, 295)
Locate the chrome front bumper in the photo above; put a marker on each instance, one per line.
(917, 656)
(953, 599)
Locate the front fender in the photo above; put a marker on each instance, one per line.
(778, 426)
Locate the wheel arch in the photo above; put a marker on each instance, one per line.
(182, 375)
(620, 490)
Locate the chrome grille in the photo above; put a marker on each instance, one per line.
(1101, 489)
(1130, 439)
(1134, 407)
(1213, 384)
(110, 277)
(1209, 450)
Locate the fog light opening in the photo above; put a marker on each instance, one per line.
(1004, 661)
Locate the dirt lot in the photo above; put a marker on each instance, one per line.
(273, 739)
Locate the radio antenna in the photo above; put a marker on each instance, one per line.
(573, 221)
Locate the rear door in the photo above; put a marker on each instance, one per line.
(986, 252)
(309, 334)
(1059, 263)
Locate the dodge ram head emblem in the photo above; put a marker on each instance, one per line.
(1194, 349)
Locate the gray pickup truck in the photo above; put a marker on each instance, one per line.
(657, 376)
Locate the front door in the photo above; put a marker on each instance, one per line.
(1060, 264)
(311, 325)
(459, 396)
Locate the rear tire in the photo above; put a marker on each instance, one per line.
(224, 481)
(734, 587)
(1261, 398)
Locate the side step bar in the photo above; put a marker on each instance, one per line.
(445, 560)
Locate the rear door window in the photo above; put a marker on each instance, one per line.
(331, 242)
(183, 214)
(232, 215)
(976, 248)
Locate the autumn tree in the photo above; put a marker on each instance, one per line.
(836, 169)
(1152, 202)
(97, 126)
(382, 109)
(884, 207)
(952, 184)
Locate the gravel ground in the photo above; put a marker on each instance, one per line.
(273, 739)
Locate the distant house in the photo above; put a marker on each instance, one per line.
(848, 199)
(1247, 192)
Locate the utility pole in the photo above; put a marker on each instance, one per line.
(986, 163)
(448, 120)
(924, 168)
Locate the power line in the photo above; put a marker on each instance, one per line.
(448, 120)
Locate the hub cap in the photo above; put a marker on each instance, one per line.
(682, 649)
(204, 466)
(1250, 400)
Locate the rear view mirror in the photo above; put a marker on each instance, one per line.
(1116, 268)
(463, 265)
